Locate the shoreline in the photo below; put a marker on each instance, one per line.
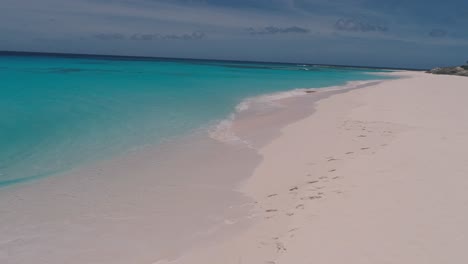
(374, 175)
(211, 129)
(84, 200)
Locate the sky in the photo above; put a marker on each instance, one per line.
(388, 33)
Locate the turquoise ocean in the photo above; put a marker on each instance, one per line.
(58, 112)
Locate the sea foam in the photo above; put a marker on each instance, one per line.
(223, 130)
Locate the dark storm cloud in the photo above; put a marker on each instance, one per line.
(357, 25)
(277, 30)
(438, 33)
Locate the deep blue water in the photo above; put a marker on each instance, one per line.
(57, 113)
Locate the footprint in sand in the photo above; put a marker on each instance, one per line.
(294, 188)
(280, 247)
(313, 197)
(294, 229)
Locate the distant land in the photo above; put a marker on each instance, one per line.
(121, 57)
(457, 70)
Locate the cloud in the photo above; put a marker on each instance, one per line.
(144, 36)
(357, 25)
(277, 30)
(241, 4)
(243, 26)
(147, 37)
(109, 36)
(192, 36)
(438, 33)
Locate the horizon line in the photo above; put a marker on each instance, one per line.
(128, 57)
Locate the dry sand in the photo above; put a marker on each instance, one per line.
(375, 175)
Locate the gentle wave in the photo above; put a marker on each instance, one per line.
(223, 130)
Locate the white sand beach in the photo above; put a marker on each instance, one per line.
(233, 132)
(375, 175)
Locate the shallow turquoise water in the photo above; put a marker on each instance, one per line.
(57, 113)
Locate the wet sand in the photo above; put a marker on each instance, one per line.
(154, 203)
